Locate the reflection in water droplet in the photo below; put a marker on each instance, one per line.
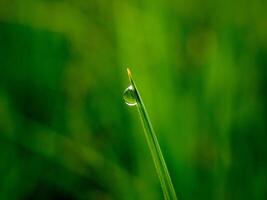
(129, 96)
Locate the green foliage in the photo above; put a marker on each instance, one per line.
(201, 67)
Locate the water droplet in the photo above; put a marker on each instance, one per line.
(129, 96)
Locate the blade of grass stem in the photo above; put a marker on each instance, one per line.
(153, 144)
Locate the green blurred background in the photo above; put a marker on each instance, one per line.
(65, 132)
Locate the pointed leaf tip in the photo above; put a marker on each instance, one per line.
(129, 73)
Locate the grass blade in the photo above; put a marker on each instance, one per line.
(160, 165)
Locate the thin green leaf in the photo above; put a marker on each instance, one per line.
(160, 165)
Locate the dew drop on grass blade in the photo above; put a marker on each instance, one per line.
(132, 98)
